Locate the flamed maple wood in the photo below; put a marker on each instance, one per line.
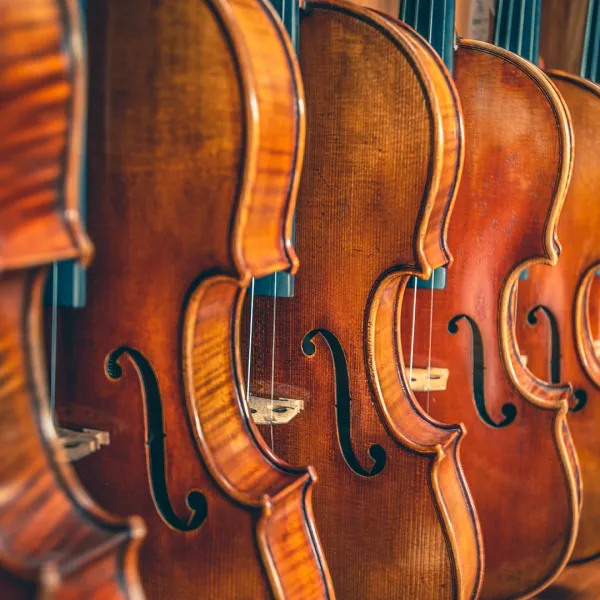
(196, 142)
(518, 458)
(555, 318)
(384, 154)
(55, 543)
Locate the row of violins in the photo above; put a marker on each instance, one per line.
(223, 137)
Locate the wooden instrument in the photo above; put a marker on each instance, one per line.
(518, 457)
(55, 542)
(196, 141)
(384, 154)
(556, 322)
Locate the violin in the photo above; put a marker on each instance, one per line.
(326, 378)
(558, 310)
(56, 543)
(196, 141)
(518, 455)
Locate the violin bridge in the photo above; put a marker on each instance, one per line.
(429, 380)
(597, 347)
(274, 412)
(81, 443)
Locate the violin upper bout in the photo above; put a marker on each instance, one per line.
(449, 158)
(273, 98)
(528, 146)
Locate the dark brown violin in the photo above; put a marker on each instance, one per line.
(558, 309)
(196, 141)
(55, 543)
(384, 154)
(518, 456)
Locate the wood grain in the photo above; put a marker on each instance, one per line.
(56, 544)
(384, 154)
(563, 296)
(197, 140)
(517, 453)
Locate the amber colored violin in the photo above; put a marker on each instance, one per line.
(384, 154)
(518, 456)
(558, 309)
(55, 543)
(196, 141)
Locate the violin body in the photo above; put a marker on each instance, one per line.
(518, 456)
(196, 143)
(55, 542)
(384, 154)
(558, 308)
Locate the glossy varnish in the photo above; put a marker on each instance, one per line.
(556, 323)
(384, 154)
(55, 543)
(517, 454)
(196, 142)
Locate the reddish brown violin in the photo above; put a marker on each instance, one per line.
(196, 141)
(384, 154)
(558, 310)
(518, 456)
(55, 543)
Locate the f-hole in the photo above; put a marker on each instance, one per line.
(509, 411)
(532, 319)
(155, 443)
(342, 404)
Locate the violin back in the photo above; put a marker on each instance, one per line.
(384, 154)
(196, 149)
(55, 542)
(519, 459)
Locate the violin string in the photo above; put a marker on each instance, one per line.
(430, 27)
(509, 23)
(273, 359)
(412, 333)
(516, 299)
(521, 29)
(54, 340)
(250, 334)
(430, 338)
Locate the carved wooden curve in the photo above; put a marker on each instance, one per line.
(375, 197)
(565, 292)
(505, 219)
(196, 149)
(54, 542)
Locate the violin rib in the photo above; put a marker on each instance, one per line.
(384, 155)
(196, 149)
(55, 542)
(518, 149)
(563, 349)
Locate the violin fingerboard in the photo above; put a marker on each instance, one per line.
(517, 27)
(434, 20)
(591, 43)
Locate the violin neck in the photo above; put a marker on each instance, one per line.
(434, 20)
(591, 43)
(517, 27)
